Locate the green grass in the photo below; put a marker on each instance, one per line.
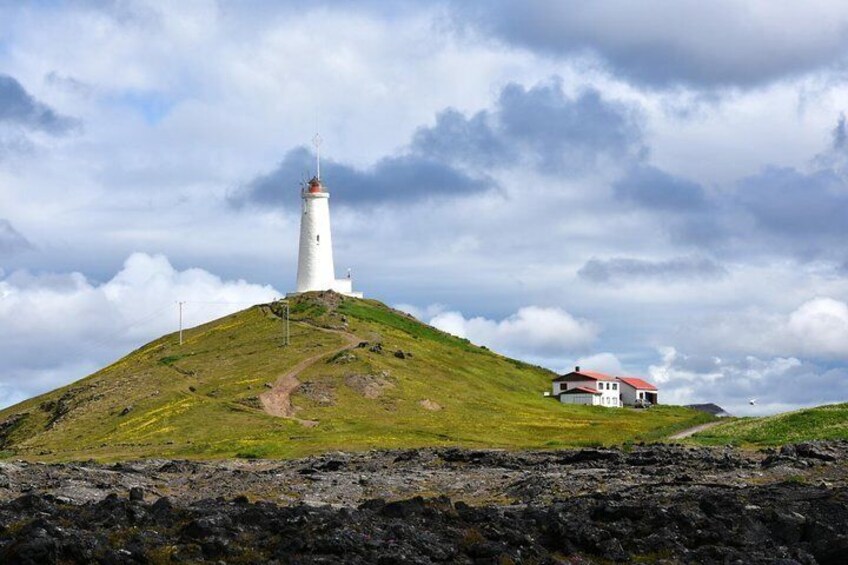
(199, 400)
(822, 422)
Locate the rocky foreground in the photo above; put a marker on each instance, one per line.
(653, 503)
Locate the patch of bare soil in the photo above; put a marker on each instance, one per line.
(321, 393)
(277, 401)
(431, 405)
(370, 386)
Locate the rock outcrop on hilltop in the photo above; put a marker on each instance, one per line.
(650, 503)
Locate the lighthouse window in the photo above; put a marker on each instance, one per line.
(318, 238)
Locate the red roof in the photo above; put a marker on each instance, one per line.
(636, 382)
(581, 390)
(595, 376)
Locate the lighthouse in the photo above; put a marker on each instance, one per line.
(315, 269)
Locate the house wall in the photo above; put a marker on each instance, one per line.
(630, 395)
(609, 391)
(587, 399)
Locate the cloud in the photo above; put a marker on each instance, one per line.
(604, 362)
(401, 178)
(11, 241)
(19, 108)
(539, 126)
(422, 314)
(622, 269)
(818, 328)
(542, 125)
(786, 202)
(55, 328)
(662, 44)
(532, 330)
(777, 211)
(776, 383)
(655, 189)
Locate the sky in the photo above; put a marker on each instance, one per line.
(655, 188)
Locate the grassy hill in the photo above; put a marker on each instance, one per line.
(821, 422)
(409, 385)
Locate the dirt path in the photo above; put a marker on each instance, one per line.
(277, 401)
(694, 430)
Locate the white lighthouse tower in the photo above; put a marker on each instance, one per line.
(315, 270)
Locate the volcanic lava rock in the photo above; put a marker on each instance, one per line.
(573, 506)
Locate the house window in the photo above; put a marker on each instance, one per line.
(615, 386)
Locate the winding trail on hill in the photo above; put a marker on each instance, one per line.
(277, 401)
(693, 430)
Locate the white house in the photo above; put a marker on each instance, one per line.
(635, 391)
(587, 387)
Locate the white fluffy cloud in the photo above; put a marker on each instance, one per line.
(57, 328)
(604, 362)
(532, 330)
(817, 328)
(775, 384)
(820, 327)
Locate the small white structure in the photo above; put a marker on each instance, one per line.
(581, 395)
(637, 392)
(315, 269)
(587, 387)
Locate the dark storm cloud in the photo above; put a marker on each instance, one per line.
(11, 241)
(840, 136)
(560, 134)
(780, 210)
(541, 125)
(661, 43)
(786, 202)
(623, 269)
(18, 107)
(682, 207)
(652, 188)
(456, 138)
(400, 178)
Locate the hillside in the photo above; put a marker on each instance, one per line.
(820, 423)
(357, 375)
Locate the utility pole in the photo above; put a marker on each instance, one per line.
(181, 320)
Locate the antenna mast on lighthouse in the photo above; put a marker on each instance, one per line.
(316, 141)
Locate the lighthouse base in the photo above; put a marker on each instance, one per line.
(342, 286)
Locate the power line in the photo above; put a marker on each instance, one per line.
(130, 325)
